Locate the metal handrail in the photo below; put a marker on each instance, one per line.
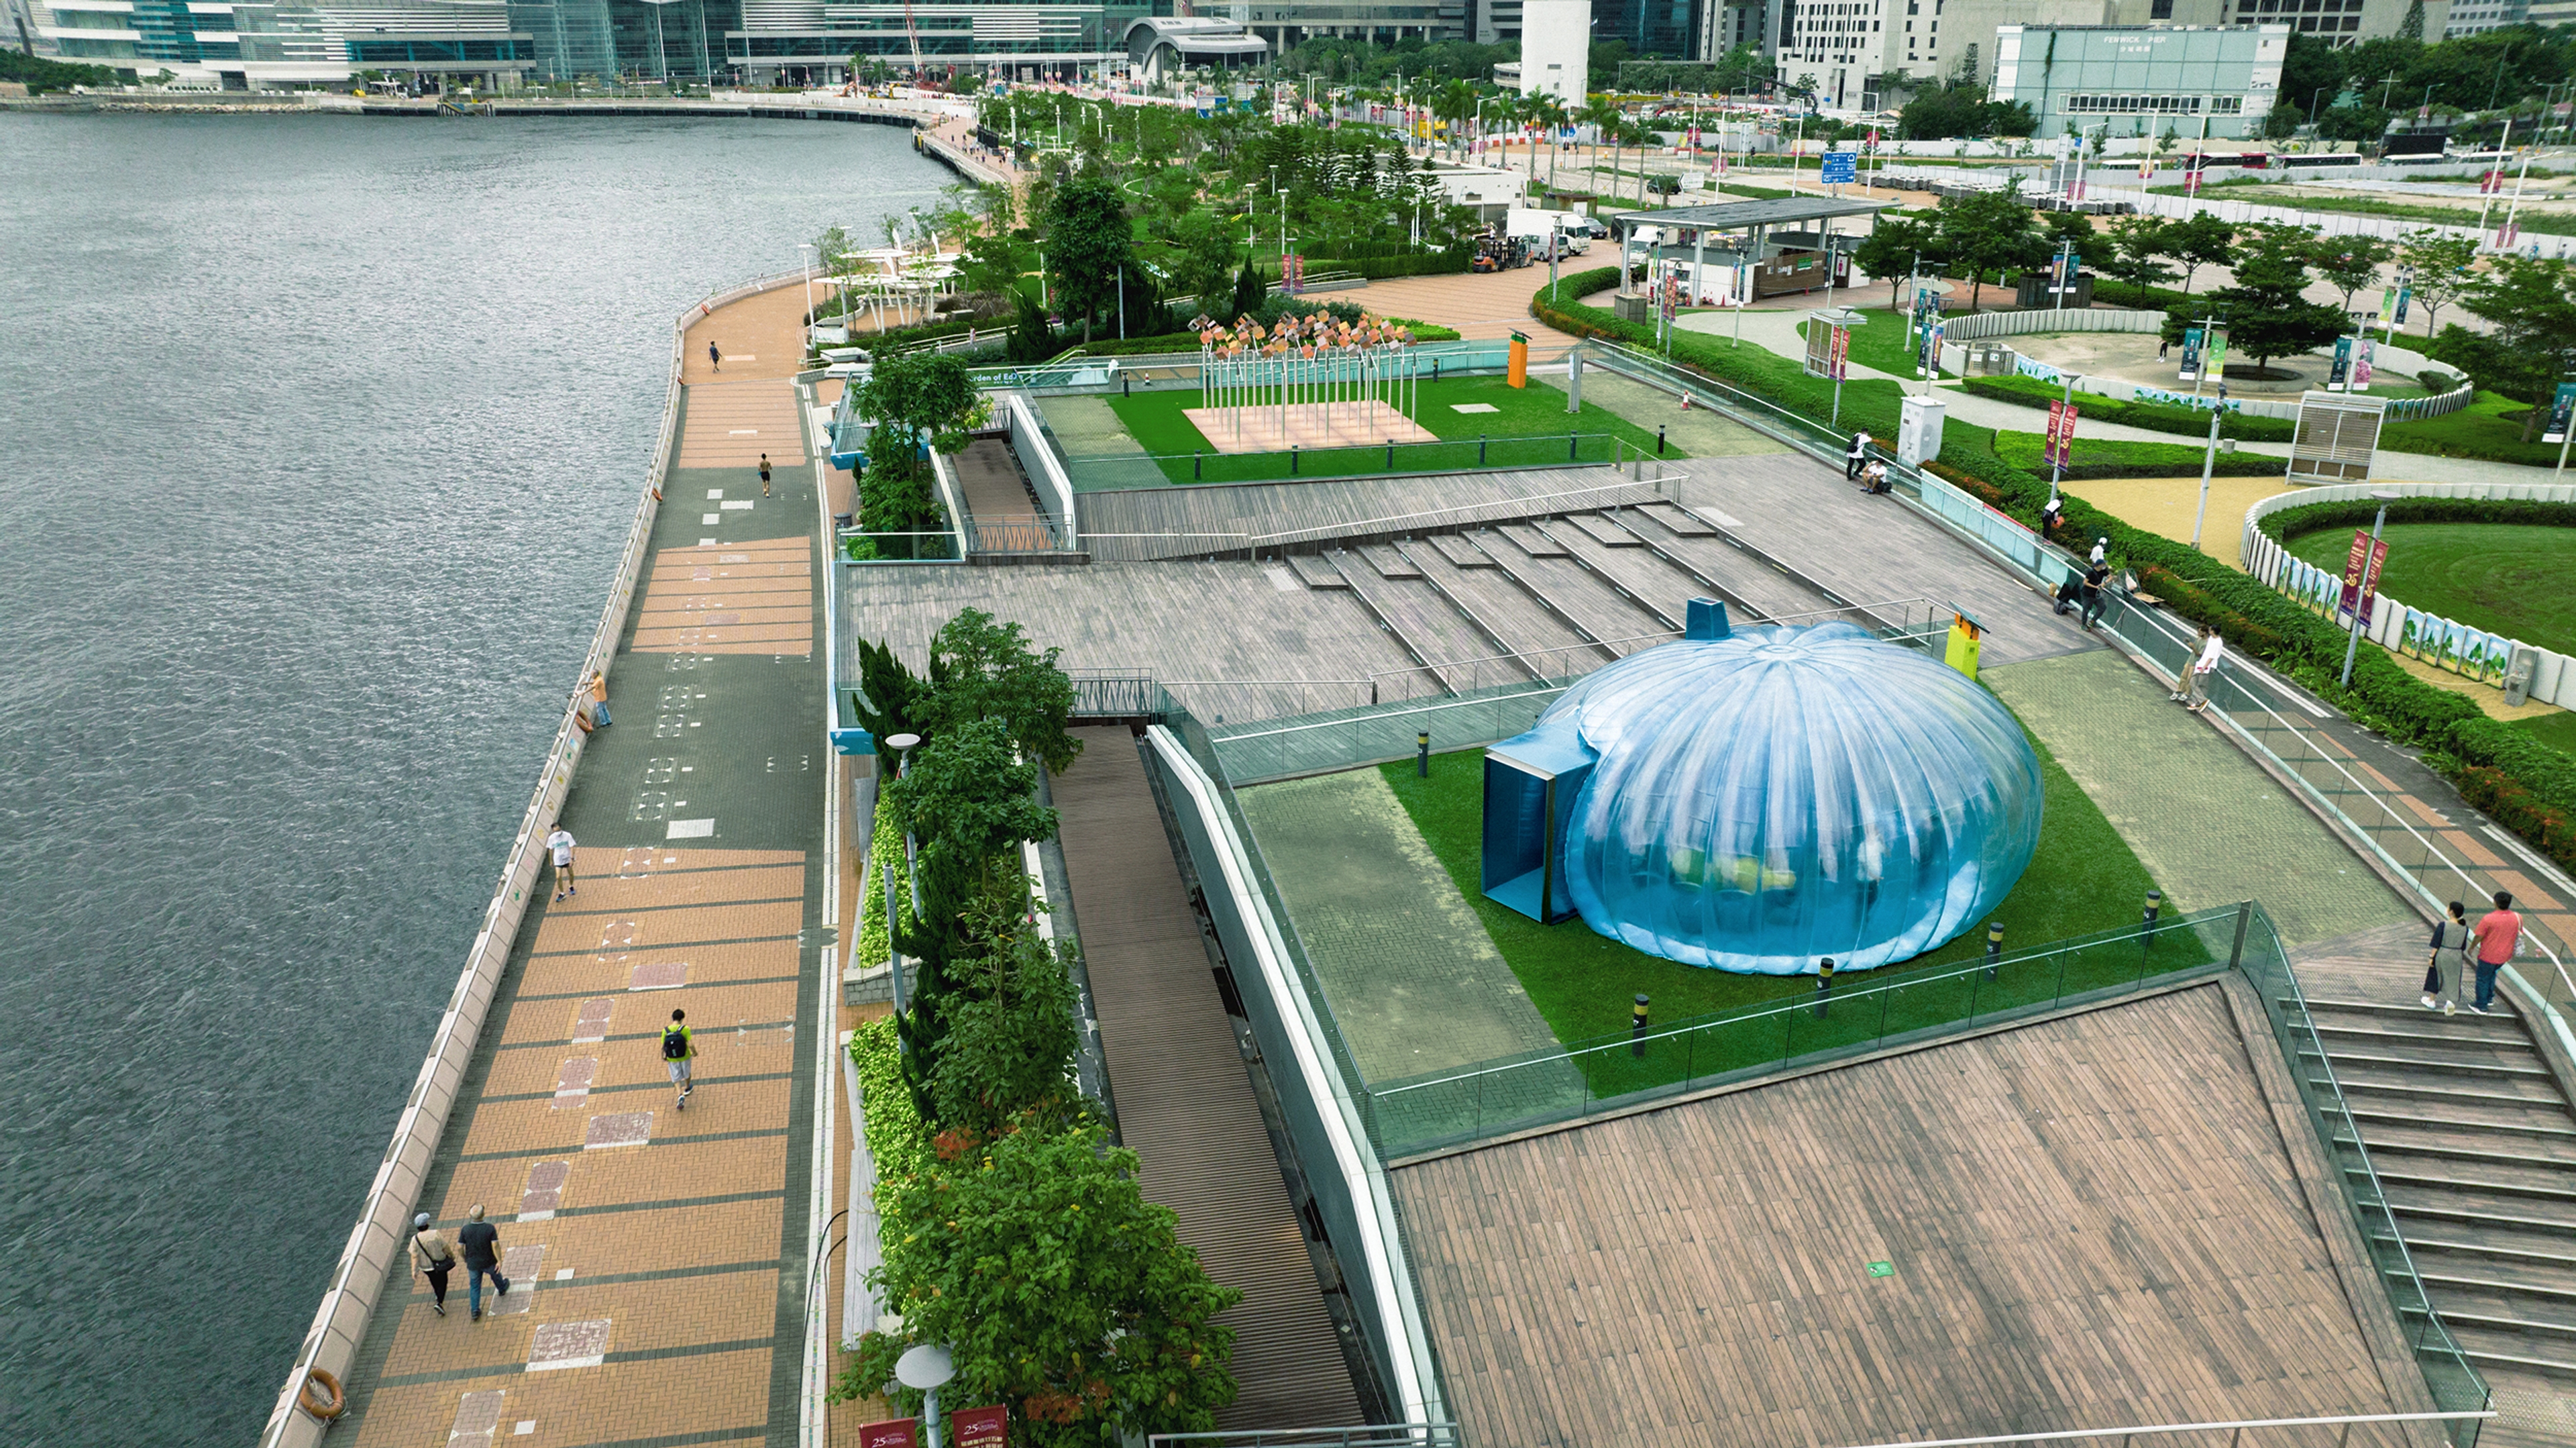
(2237, 1427)
(1799, 1005)
(1361, 1435)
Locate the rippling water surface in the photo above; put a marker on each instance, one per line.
(318, 436)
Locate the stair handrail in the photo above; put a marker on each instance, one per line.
(2234, 1427)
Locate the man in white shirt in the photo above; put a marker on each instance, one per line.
(1858, 454)
(560, 845)
(2196, 679)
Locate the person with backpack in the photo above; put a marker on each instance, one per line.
(480, 1241)
(432, 1258)
(2444, 973)
(678, 1049)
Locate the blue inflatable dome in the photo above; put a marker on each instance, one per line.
(1754, 801)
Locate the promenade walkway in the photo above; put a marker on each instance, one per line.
(656, 1255)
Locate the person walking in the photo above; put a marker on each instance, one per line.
(2095, 591)
(679, 1048)
(1859, 454)
(764, 475)
(560, 845)
(715, 358)
(2162, 347)
(2195, 691)
(480, 1241)
(2444, 972)
(2498, 932)
(432, 1258)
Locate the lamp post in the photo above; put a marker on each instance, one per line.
(2361, 595)
(803, 247)
(2208, 464)
(927, 1368)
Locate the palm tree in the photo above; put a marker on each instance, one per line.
(1545, 112)
(1455, 103)
(1603, 117)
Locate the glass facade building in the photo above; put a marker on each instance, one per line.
(2142, 80)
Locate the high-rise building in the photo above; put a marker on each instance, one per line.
(2143, 80)
(2468, 17)
(1556, 49)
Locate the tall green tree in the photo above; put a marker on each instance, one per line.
(1089, 239)
(918, 401)
(1010, 1041)
(2135, 253)
(2531, 304)
(2440, 268)
(1059, 1291)
(2267, 313)
(1893, 248)
(2350, 263)
(2197, 241)
(981, 669)
(1989, 233)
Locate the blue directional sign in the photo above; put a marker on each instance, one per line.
(1841, 166)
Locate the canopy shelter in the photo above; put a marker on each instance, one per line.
(1754, 231)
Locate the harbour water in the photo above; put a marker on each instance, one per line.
(318, 436)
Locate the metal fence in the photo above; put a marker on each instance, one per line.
(2007, 324)
(1374, 460)
(1852, 1016)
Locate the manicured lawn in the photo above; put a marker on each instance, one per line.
(2494, 577)
(2479, 430)
(1527, 429)
(2096, 458)
(2558, 730)
(2083, 879)
(1879, 342)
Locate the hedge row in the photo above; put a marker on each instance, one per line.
(2523, 784)
(2101, 458)
(897, 1140)
(2289, 523)
(2159, 417)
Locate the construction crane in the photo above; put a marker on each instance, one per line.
(915, 32)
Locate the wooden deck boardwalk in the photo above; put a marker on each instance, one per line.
(2086, 1222)
(1185, 1102)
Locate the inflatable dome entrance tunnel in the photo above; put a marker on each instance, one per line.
(1752, 800)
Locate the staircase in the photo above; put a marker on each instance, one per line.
(2474, 1144)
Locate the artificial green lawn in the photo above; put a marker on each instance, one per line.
(2494, 577)
(2121, 458)
(1880, 341)
(1528, 430)
(2084, 879)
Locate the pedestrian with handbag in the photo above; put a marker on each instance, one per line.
(432, 1258)
(2445, 971)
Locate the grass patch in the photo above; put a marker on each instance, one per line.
(2083, 879)
(1527, 429)
(1880, 343)
(2480, 430)
(2557, 730)
(2494, 577)
(2097, 458)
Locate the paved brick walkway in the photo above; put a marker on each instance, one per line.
(656, 1255)
(2208, 824)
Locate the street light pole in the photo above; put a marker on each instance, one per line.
(2208, 465)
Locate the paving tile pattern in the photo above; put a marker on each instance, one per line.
(2208, 824)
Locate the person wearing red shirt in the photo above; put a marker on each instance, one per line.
(2498, 931)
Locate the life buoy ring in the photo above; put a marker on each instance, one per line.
(329, 1403)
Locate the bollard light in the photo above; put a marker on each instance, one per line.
(1659, 439)
(1637, 1026)
(2147, 921)
(1994, 947)
(1824, 985)
(1292, 460)
(1421, 753)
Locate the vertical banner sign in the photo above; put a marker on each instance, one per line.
(2191, 354)
(2217, 352)
(2387, 301)
(2361, 577)
(2191, 180)
(982, 1427)
(2061, 434)
(2361, 359)
(2559, 413)
(2339, 378)
(896, 1433)
(1932, 346)
(2405, 293)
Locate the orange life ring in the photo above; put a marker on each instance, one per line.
(332, 1402)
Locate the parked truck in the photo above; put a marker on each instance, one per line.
(1535, 227)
